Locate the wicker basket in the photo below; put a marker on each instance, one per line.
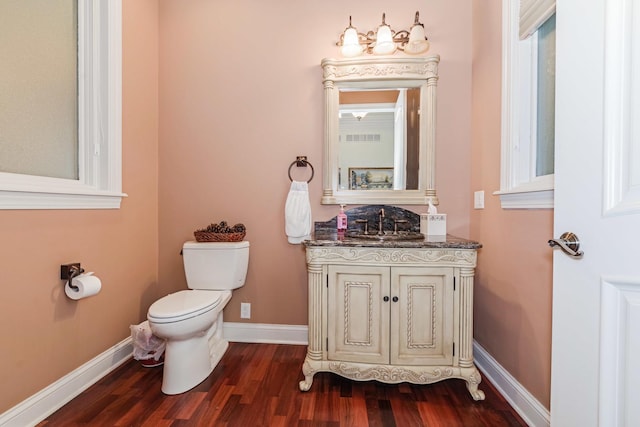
(203, 236)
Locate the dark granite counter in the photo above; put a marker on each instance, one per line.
(331, 238)
(325, 233)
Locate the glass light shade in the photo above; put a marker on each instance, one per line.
(350, 43)
(384, 41)
(418, 42)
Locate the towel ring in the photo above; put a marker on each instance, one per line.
(301, 162)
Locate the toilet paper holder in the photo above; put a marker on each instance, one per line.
(69, 271)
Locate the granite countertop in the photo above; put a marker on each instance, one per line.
(331, 238)
(325, 233)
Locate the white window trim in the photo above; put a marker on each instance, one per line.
(99, 119)
(519, 187)
(532, 14)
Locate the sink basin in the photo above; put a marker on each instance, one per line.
(399, 236)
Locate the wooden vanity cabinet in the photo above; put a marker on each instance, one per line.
(391, 314)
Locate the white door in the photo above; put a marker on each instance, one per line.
(595, 378)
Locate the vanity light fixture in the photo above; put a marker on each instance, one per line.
(384, 44)
(350, 42)
(384, 41)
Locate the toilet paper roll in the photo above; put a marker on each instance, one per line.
(87, 285)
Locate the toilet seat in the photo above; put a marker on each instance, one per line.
(183, 305)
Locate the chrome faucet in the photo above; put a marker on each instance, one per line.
(381, 222)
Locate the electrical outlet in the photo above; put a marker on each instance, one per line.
(478, 200)
(245, 310)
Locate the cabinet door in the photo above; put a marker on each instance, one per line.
(358, 316)
(422, 316)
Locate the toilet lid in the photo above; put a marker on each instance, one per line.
(184, 304)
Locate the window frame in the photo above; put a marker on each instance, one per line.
(99, 123)
(520, 188)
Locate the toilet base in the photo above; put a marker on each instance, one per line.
(189, 362)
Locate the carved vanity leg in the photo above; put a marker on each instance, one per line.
(308, 372)
(469, 370)
(314, 350)
(473, 380)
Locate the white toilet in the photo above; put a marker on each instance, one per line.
(191, 320)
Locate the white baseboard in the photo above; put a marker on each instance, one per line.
(42, 404)
(266, 333)
(48, 400)
(527, 406)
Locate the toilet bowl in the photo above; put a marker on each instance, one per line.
(191, 320)
(186, 321)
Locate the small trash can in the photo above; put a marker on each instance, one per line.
(147, 348)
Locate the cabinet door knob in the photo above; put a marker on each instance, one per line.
(395, 299)
(385, 298)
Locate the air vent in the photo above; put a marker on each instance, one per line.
(362, 137)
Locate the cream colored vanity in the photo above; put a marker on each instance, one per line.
(386, 310)
(391, 311)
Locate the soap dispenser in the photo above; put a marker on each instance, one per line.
(341, 220)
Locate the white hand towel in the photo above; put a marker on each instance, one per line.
(297, 213)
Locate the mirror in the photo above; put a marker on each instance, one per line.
(378, 138)
(380, 130)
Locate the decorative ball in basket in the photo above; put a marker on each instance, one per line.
(221, 233)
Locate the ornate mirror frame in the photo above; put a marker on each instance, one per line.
(380, 73)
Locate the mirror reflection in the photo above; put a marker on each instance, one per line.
(378, 138)
(380, 127)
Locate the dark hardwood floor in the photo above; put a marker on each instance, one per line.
(257, 385)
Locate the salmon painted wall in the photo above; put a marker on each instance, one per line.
(219, 98)
(514, 275)
(44, 334)
(241, 96)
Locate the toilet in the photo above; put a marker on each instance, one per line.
(191, 320)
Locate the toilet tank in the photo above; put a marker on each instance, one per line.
(215, 265)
